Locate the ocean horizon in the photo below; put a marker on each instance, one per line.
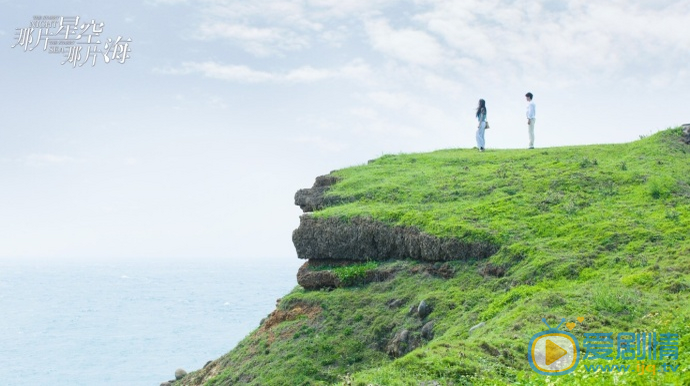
(129, 322)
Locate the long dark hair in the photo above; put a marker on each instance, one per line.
(481, 109)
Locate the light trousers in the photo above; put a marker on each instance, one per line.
(530, 130)
(480, 134)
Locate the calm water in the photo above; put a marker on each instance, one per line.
(129, 323)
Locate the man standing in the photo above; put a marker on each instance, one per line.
(531, 112)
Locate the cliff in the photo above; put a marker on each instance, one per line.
(437, 268)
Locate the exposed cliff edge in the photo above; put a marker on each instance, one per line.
(365, 239)
(362, 239)
(314, 198)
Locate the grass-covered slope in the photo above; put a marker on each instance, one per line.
(599, 232)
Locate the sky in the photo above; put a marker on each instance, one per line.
(193, 145)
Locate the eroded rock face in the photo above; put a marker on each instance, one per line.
(311, 280)
(332, 242)
(428, 331)
(424, 309)
(311, 277)
(367, 239)
(399, 345)
(314, 198)
(686, 133)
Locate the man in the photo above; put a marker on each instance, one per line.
(531, 112)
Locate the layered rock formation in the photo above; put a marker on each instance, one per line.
(362, 239)
(312, 199)
(365, 239)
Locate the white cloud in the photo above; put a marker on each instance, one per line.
(244, 74)
(238, 73)
(241, 32)
(337, 36)
(275, 27)
(548, 41)
(571, 41)
(409, 45)
(344, 9)
(260, 27)
(260, 41)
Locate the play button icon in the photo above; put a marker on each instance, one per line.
(554, 352)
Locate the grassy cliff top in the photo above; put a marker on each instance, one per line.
(597, 232)
(559, 206)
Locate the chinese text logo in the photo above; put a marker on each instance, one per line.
(78, 42)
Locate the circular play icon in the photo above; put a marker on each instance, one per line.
(553, 352)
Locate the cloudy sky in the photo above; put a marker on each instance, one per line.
(195, 145)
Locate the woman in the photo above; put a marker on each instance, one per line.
(481, 117)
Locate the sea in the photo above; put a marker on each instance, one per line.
(129, 322)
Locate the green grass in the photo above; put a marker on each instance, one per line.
(599, 232)
(350, 274)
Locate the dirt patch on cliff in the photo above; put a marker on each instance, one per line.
(279, 316)
(445, 271)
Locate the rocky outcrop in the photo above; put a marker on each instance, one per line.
(403, 342)
(315, 198)
(428, 331)
(315, 279)
(400, 344)
(332, 242)
(180, 373)
(686, 133)
(424, 309)
(312, 275)
(362, 238)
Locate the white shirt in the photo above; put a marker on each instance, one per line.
(531, 110)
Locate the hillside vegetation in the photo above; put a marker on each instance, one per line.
(594, 232)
